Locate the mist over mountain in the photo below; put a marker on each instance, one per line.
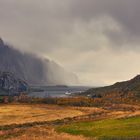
(33, 69)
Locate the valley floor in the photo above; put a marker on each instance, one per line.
(52, 122)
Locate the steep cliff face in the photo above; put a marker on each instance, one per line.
(11, 85)
(34, 70)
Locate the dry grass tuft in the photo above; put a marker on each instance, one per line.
(45, 133)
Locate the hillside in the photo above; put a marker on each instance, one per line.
(35, 70)
(122, 89)
(11, 85)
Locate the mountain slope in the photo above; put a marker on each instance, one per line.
(11, 85)
(120, 88)
(34, 70)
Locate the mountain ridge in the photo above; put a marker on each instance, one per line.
(121, 88)
(33, 69)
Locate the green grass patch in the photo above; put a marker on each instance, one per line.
(113, 129)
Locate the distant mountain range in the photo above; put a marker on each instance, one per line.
(35, 70)
(120, 88)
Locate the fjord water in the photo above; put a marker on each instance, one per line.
(56, 91)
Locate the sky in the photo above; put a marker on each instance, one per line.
(98, 40)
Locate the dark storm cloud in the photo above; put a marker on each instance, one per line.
(74, 32)
(125, 11)
(55, 18)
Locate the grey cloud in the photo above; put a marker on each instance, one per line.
(125, 12)
(72, 32)
(50, 20)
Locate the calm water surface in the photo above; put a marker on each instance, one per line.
(45, 92)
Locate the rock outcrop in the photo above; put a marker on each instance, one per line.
(11, 85)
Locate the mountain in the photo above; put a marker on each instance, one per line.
(35, 70)
(118, 89)
(11, 85)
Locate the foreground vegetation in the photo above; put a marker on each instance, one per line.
(82, 101)
(37, 121)
(27, 113)
(105, 129)
(52, 122)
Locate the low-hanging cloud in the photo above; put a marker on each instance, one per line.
(97, 39)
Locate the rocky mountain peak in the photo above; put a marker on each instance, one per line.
(1, 42)
(11, 84)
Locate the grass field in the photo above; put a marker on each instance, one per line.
(53, 122)
(106, 129)
(29, 121)
(22, 113)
